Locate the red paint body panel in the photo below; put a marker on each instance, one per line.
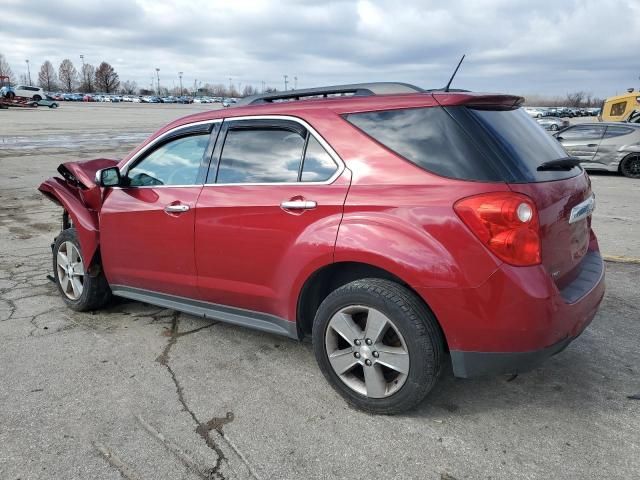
(518, 309)
(250, 253)
(145, 247)
(236, 246)
(84, 219)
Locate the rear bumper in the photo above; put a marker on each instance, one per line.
(517, 318)
(477, 364)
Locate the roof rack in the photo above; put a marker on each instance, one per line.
(355, 89)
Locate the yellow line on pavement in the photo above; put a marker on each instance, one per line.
(621, 259)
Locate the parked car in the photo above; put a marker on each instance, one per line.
(35, 93)
(534, 112)
(389, 229)
(611, 146)
(552, 123)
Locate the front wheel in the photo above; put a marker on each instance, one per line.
(82, 288)
(630, 166)
(378, 345)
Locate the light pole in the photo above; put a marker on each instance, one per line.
(180, 75)
(84, 74)
(28, 72)
(158, 77)
(295, 83)
(285, 82)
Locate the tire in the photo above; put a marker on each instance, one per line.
(554, 127)
(630, 166)
(412, 330)
(93, 291)
(10, 95)
(53, 105)
(37, 98)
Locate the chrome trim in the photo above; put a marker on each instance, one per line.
(332, 153)
(233, 315)
(583, 209)
(299, 204)
(125, 168)
(176, 208)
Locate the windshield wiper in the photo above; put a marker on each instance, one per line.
(566, 163)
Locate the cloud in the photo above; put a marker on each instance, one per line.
(521, 47)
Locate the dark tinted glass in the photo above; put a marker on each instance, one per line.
(260, 156)
(468, 144)
(318, 165)
(618, 109)
(618, 131)
(174, 163)
(430, 138)
(583, 132)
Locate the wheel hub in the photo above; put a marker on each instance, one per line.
(367, 351)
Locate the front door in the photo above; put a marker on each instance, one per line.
(268, 215)
(146, 226)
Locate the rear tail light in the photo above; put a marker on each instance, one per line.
(506, 222)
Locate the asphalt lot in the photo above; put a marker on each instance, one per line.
(146, 393)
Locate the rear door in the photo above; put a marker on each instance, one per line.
(270, 209)
(582, 141)
(146, 227)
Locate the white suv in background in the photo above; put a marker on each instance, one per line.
(35, 93)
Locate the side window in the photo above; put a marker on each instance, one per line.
(260, 155)
(618, 131)
(583, 132)
(618, 109)
(318, 165)
(177, 162)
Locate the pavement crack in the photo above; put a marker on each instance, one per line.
(125, 470)
(201, 429)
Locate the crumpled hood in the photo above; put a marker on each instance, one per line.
(83, 174)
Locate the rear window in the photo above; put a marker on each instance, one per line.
(467, 144)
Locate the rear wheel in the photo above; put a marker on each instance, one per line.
(554, 127)
(37, 98)
(82, 289)
(378, 345)
(10, 96)
(630, 166)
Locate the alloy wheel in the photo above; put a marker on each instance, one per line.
(367, 351)
(70, 270)
(631, 167)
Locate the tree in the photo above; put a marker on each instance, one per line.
(107, 80)
(68, 75)
(47, 77)
(218, 90)
(88, 74)
(5, 69)
(575, 99)
(129, 87)
(248, 90)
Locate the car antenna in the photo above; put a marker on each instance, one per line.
(446, 89)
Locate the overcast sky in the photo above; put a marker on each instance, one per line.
(525, 47)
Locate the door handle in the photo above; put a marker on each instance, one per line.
(298, 204)
(592, 144)
(180, 208)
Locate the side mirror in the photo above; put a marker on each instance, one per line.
(108, 177)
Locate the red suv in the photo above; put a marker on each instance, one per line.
(388, 223)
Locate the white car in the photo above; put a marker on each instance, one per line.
(36, 93)
(534, 112)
